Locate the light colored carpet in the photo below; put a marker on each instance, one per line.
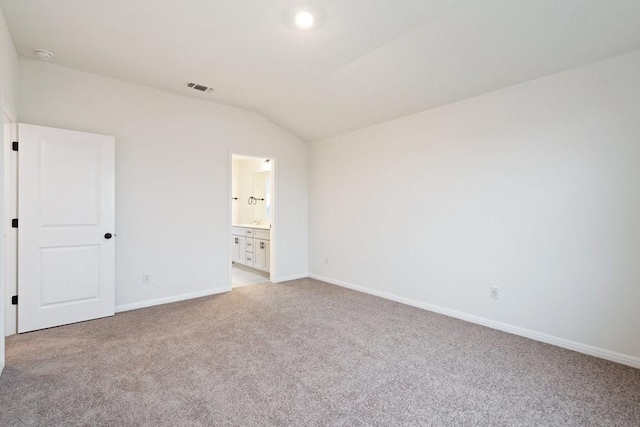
(303, 353)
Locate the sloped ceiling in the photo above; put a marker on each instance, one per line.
(366, 61)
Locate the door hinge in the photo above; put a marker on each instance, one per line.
(15, 146)
(14, 300)
(14, 223)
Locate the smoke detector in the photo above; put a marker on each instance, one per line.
(45, 55)
(199, 87)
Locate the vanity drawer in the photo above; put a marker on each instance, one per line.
(249, 232)
(249, 245)
(237, 231)
(249, 259)
(262, 234)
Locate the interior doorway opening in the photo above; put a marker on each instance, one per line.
(252, 219)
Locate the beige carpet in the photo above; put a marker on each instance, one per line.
(303, 353)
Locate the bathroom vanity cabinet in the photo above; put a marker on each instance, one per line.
(251, 247)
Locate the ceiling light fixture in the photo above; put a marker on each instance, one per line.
(304, 20)
(45, 55)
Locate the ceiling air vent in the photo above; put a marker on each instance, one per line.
(200, 88)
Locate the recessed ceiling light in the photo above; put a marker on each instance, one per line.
(45, 55)
(304, 20)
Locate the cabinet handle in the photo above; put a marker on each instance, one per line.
(236, 240)
(261, 245)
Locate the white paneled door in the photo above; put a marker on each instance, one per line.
(66, 227)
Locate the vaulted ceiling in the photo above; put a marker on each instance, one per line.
(366, 61)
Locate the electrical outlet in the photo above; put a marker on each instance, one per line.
(326, 260)
(495, 292)
(146, 278)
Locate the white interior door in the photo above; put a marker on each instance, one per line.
(66, 227)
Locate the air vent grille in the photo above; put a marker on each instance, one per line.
(199, 87)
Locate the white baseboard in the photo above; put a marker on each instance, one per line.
(294, 277)
(160, 301)
(505, 327)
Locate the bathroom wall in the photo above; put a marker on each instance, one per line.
(244, 169)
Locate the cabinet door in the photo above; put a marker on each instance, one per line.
(261, 258)
(238, 249)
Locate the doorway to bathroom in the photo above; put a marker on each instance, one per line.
(252, 219)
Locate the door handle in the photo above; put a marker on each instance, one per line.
(108, 236)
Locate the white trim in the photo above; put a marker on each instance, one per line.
(11, 234)
(166, 300)
(8, 280)
(7, 254)
(293, 277)
(505, 327)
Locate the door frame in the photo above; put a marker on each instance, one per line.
(8, 181)
(274, 212)
(9, 210)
